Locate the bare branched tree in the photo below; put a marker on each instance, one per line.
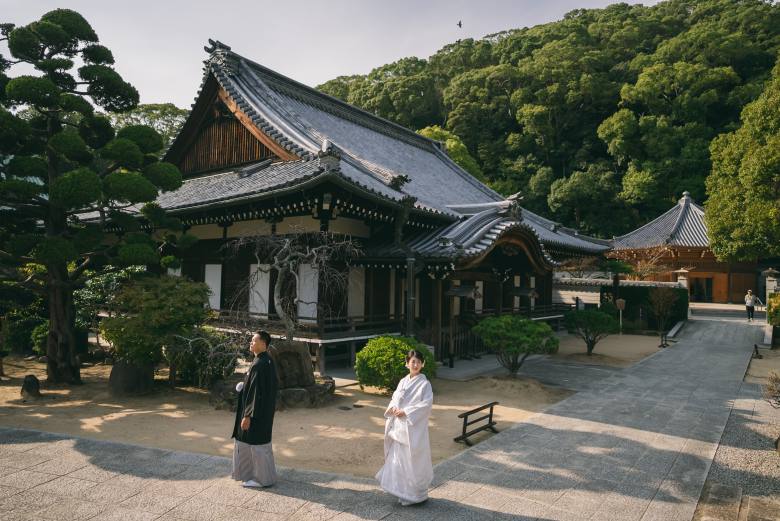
(578, 267)
(662, 302)
(646, 266)
(327, 253)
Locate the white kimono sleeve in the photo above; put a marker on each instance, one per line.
(421, 405)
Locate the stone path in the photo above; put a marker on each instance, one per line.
(636, 444)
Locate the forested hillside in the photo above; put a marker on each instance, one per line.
(600, 119)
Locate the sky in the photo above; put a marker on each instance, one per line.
(158, 45)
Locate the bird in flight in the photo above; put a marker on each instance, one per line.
(460, 23)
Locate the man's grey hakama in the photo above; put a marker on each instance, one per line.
(253, 457)
(254, 462)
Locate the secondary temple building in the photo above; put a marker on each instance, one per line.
(677, 240)
(263, 154)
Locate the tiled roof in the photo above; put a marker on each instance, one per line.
(239, 183)
(304, 121)
(682, 225)
(478, 229)
(374, 155)
(572, 281)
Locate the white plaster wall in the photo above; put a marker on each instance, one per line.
(213, 278)
(356, 292)
(260, 288)
(308, 292)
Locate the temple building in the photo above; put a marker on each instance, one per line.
(676, 244)
(262, 154)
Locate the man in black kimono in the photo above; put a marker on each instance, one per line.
(253, 458)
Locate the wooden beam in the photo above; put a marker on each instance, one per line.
(245, 120)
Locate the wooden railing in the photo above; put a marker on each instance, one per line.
(328, 328)
(456, 340)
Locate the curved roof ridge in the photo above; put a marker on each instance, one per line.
(464, 230)
(293, 124)
(684, 204)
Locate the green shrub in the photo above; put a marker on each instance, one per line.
(150, 312)
(514, 338)
(40, 337)
(638, 307)
(773, 309)
(203, 356)
(19, 326)
(591, 326)
(382, 362)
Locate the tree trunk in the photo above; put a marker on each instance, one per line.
(63, 363)
(2, 371)
(591, 345)
(289, 322)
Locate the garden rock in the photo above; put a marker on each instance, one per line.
(311, 396)
(31, 387)
(293, 364)
(129, 379)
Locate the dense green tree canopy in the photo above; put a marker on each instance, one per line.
(68, 180)
(455, 149)
(607, 112)
(743, 209)
(165, 118)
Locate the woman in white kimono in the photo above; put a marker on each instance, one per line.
(408, 472)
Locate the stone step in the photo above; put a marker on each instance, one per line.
(719, 502)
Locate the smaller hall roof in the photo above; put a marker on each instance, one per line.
(683, 226)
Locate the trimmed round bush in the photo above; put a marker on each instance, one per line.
(382, 362)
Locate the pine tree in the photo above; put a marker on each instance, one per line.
(71, 187)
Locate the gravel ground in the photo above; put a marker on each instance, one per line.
(746, 456)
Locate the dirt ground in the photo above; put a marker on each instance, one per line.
(614, 350)
(321, 439)
(759, 369)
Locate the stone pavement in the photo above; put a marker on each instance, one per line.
(636, 444)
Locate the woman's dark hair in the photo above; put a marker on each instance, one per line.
(264, 336)
(413, 353)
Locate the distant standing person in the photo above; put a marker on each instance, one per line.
(253, 457)
(750, 304)
(408, 472)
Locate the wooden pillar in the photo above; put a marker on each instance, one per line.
(410, 296)
(451, 343)
(437, 296)
(369, 293)
(500, 296)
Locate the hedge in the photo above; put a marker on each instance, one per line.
(638, 305)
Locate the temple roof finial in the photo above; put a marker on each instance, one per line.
(215, 45)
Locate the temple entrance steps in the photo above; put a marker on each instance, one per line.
(725, 311)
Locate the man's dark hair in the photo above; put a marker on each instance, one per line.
(264, 336)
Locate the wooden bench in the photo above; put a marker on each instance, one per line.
(491, 425)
